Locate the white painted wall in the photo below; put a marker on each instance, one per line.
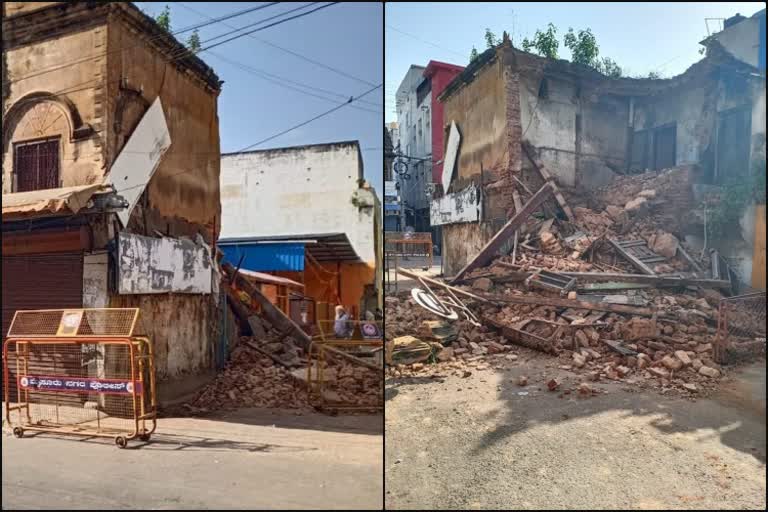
(742, 40)
(414, 136)
(298, 191)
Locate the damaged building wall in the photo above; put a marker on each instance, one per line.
(302, 190)
(183, 196)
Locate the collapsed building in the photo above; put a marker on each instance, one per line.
(587, 129)
(111, 175)
(571, 211)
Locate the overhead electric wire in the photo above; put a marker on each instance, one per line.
(267, 139)
(291, 52)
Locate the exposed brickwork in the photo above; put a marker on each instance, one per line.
(514, 136)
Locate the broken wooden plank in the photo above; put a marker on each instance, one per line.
(548, 178)
(570, 303)
(487, 253)
(277, 318)
(631, 258)
(354, 359)
(260, 350)
(618, 348)
(525, 339)
(655, 280)
(687, 257)
(408, 273)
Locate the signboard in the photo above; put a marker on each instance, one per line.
(451, 152)
(390, 188)
(79, 385)
(462, 206)
(70, 323)
(162, 265)
(139, 158)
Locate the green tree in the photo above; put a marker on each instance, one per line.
(608, 67)
(654, 75)
(193, 43)
(490, 38)
(544, 43)
(473, 54)
(164, 18)
(583, 46)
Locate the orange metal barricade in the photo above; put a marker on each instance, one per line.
(80, 371)
(364, 350)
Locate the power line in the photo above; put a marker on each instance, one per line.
(279, 77)
(291, 52)
(262, 141)
(267, 78)
(270, 25)
(327, 112)
(464, 56)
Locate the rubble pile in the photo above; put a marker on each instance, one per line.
(252, 379)
(612, 295)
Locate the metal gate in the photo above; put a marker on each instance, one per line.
(80, 371)
(740, 328)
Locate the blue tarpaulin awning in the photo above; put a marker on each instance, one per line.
(266, 257)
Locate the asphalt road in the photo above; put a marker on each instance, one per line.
(248, 460)
(482, 442)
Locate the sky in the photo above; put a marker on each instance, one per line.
(347, 37)
(640, 37)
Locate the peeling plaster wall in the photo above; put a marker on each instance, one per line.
(28, 118)
(184, 190)
(479, 110)
(183, 329)
(95, 280)
(297, 191)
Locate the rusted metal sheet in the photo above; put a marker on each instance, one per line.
(41, 282)
(65, 200)
(140, 157)
(46, 242)
(462, 206)
(162, 265)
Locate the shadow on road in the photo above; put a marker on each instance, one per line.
(740, 424)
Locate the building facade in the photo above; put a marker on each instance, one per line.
(587, 128)
(305, 213)
(82, 81)
(413, 165)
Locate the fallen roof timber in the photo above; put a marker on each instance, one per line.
(655, 280)
(548, 178)
(520, 337)
(537, 300)
(488, 252)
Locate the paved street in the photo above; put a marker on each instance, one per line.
(246, 460)
(483, 442)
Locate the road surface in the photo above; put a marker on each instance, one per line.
(247, 460)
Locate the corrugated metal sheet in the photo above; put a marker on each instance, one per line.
(54, 200)
(265, 257)
(41, 282)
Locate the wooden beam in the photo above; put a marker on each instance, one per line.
(520, 337)
(548, 178)
(631, 258)
(687, 257)
(655, 280)
(487, 253)
(428, 280)
(277, 318)
(570, 303)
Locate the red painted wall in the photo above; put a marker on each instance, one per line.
(441, 74)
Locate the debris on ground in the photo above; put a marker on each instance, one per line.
(612, 294)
